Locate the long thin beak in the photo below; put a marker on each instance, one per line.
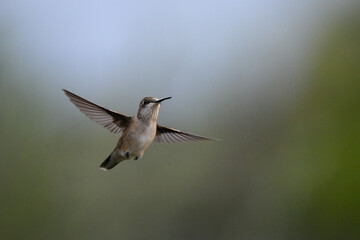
(162, 99)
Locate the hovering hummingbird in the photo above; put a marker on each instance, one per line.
(137, 132)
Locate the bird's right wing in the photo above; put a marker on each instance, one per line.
(171, 135)
(112, 120)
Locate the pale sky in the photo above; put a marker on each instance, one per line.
(159, 48)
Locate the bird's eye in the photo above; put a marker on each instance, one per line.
(146, 102)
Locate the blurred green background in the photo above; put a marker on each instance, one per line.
(278, 81)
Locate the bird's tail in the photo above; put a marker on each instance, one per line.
(111, 161)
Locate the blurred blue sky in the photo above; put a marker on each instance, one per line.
(161, 48)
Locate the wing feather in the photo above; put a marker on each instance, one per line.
(171, 135)
(113, 121)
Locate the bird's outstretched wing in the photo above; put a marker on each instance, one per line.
(171, 135)
(112, 120)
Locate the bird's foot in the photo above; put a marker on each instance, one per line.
(136, 158)
(127, 155)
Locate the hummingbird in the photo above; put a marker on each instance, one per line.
(137, 132)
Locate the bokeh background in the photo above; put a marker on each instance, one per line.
(278, 81)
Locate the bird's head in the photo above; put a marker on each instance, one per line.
(149, 108)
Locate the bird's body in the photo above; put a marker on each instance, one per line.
(132, 144)
(137, 132)
(136, 138)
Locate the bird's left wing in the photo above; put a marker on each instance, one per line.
(171, 135)
(112, 120)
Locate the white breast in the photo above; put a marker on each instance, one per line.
(145, 135)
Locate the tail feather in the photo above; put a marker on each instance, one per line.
(110, 162)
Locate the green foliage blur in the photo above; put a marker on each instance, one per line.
(289, 172)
